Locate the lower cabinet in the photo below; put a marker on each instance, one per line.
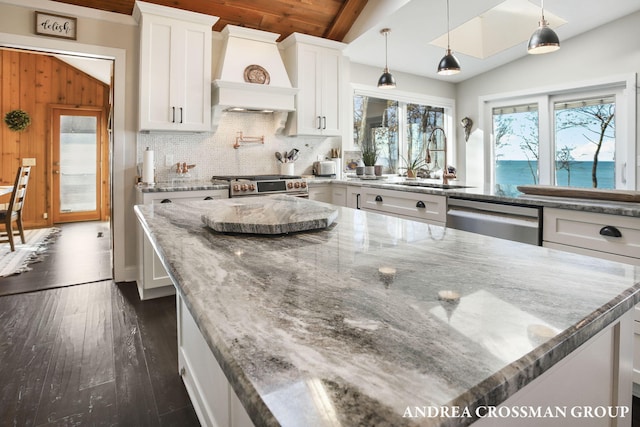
(611, 237)
(593, 377)
(320, 192)
(153, 281)
(430, 208)
(213, 399)
(329, 193)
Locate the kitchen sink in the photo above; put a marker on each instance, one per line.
(432, 185)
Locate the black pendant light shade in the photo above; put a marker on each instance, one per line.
(449, 64)
(544, 39)
(386, 80)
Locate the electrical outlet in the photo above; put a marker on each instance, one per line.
(29, 161)
(45, 215)
(168, 160)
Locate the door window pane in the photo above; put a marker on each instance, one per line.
(585, 143)
(515, 131)
(375, 123)
(78, 151)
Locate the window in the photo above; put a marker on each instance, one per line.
(399, 129)
(585, 143)
(515, 131)
(573, 138)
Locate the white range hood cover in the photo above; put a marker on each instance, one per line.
(244, 47)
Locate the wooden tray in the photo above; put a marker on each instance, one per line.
(581, 193)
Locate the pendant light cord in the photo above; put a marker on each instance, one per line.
(448, 42)
(386, 59)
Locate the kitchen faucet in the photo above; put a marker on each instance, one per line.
(447, 172)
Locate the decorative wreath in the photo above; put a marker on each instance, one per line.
(17, 120)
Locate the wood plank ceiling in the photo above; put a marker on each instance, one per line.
(330, 19)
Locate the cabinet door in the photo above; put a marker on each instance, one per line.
(156, 58)
(329, 88)
(338, 195)
(308, 98)
(191, 93)
(175, 75)
(320, 193)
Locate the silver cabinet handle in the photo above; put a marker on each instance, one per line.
(420, 204)
(173, 114)
(319, 122)
(181, 115)
(324, 122)
(378, 198)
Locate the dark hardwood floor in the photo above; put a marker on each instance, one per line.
(80, 253)
(89, 354)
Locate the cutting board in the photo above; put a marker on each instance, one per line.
(581, 193)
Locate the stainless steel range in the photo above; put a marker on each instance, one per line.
(258, 185)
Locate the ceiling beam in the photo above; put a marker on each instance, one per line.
(345, 19)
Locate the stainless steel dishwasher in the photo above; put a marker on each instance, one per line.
(503, 220)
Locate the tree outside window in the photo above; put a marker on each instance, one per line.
(585, 143)
(376, 122)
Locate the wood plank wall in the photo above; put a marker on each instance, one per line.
(32, 82)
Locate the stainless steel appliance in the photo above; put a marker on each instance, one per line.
(506, 221)
(325, 168)
(258, 185)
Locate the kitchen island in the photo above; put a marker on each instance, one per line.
(376, 319)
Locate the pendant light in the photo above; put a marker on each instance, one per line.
(448, 64)
(386, 80)
(544, 39)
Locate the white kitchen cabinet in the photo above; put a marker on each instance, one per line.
(316, 67)
(430, 208)
(593, 234)
(175, 69)
(213, 399)
(153, 280)
(320, 192)
(338, 194)
(329, 193)
(596, 235)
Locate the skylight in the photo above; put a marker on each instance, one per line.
(500, 28)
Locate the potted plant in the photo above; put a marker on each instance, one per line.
(369, 158)
(412, 166)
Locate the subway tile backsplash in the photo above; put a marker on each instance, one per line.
(213, 153)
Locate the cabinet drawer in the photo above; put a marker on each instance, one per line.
(588, 230)
(424, 207)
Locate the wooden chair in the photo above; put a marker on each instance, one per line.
(14, 210)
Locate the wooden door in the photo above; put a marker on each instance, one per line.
(76, 160)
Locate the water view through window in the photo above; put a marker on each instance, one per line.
(582, 147)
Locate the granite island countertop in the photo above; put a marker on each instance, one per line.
(350, 325)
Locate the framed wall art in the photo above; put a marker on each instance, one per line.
(52, 25)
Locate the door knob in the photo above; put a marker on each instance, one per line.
(56, 172)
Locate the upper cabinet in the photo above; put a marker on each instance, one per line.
(316, 67)
(175, 69)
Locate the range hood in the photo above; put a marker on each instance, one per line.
(251, 76)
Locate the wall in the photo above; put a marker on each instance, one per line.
(105, 35)
(612, 49)
(213, 153)
(32, 82)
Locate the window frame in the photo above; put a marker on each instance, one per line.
(622, 86)
(403, 98)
